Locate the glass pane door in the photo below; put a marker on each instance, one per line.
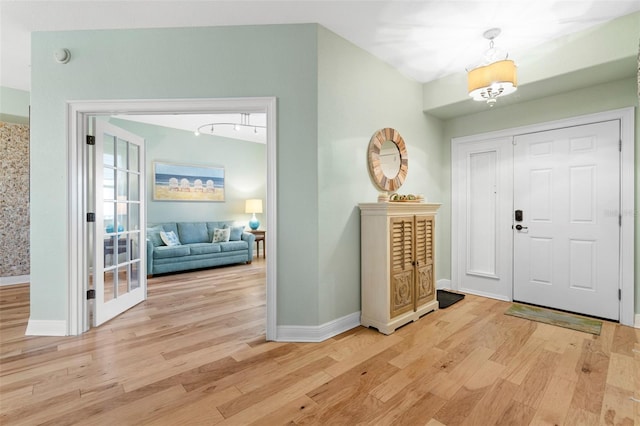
(119, 272)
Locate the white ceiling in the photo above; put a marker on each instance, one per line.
(425, 39)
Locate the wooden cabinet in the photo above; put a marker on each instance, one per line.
(397, 261)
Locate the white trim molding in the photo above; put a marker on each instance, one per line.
(318, 333)
(626, 116)
(78, 113)
(637, 323)
(443, 284)
(46, 328)
(17, 279)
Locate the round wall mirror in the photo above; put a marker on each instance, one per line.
(388, 161)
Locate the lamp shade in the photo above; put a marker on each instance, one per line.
(253, 206)
(491, 81)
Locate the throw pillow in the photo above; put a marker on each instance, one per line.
(236, 232)
(221, 235)
(170, 238)
(153, 235)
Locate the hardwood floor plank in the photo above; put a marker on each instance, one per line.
(555, 402)
(459, 406)
(516, 413)
(289, 413)
(580, 417)
(277, 400)
(536, 381)
(195, 353)
(248, 399)
(617, 407)
(618, 372)
(196, 408)
(592, 379)
(493, 404)
(459, 370)
(416, 370)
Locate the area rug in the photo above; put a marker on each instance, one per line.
(447, 298)
(561, 319)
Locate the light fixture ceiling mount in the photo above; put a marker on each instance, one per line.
(244, 122)
(495, 76)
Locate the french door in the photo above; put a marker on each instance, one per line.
(119, 268)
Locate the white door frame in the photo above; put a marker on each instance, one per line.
(627, 189)
(77, 113)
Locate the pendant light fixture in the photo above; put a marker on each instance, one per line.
(495, 76)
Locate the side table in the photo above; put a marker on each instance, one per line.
(260, 237)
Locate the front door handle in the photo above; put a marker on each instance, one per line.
(520, 227)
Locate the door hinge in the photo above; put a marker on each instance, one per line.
(91, 217)
(620, 145)
(91, 140)
(619, 294)
(91, 294)
(619, 220)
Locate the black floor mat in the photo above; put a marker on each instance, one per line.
(447, 298)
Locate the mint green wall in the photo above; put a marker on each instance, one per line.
(245, 165)
(604, 97)
(357, 95)
(215, 62)
(14, 105)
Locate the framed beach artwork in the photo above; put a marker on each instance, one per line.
(183, 182)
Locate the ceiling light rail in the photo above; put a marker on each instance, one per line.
(245, 121)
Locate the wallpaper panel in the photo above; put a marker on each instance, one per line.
(14, 199)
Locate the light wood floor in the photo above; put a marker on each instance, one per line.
(194, 353)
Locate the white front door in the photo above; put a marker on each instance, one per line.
(483, 179)
(566, 244)
(119, 269)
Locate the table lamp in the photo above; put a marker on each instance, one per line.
(253, 207)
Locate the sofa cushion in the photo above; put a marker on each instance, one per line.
(153, 235)
(193, 232)
(170, 238)
(211, 226)
(236, 232)
(234, 245)
(164, 252)
(204, 248)
(221, 235)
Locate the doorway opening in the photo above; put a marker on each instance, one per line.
(78, 114)
(485, 228)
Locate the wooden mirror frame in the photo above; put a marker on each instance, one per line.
(375, 168)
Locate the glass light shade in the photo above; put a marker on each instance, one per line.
(488, 82)
(253, 206)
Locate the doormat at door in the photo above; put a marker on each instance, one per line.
(447, 298)
(560, 319)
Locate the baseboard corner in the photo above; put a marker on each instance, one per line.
(317, 333)
(443, 284)
(637, 321)
(16, 279)
(46, 328)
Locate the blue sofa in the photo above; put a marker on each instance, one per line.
(196, 249)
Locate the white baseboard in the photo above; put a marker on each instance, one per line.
(17, 279)
(46, 328)
(443, 284)
(317, 333)
(637, 321)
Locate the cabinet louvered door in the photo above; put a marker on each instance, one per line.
(402, 273)
(425, 288)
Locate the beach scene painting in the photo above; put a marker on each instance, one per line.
(182, 182)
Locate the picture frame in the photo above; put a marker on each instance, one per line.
(188, 182)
